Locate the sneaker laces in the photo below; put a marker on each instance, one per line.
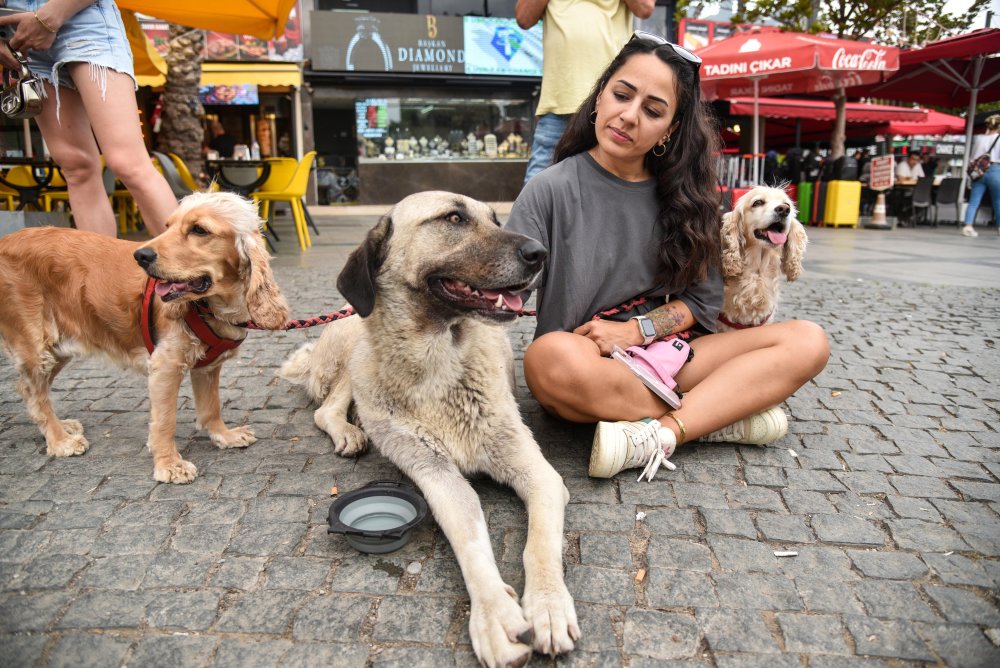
(650, 450)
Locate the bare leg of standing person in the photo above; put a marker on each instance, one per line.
(113, 112)
(72, 145)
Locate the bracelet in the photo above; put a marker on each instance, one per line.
(44, 24)
(680, 427)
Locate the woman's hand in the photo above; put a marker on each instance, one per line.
(609, 333)
(29, 34)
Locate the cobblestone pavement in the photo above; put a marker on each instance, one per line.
(886, 486)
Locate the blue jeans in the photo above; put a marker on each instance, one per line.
(548, 131)
(990, 180)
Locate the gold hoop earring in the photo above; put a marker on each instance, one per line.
(593, 117)
(661, 153)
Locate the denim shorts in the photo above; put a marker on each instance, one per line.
(95, 35)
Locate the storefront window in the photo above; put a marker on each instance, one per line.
(443, 129)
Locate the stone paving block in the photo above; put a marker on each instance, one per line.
(333, 618)
(183, 611)
(891, 639)
(245, 486)
(414, 657)
(744, 660)
(729, 522)
(267, 611)
(815, 481)
(749, 591)
(600, 585)
(67, 488)
(813, 634)
(672, 588)
(172, 651)
(846, 530)
(50, 571)
(597, 628)
(682, 522)
(963, 606)
(660, 635)
(736, 631)
(765, 476)
(239, 653)
(21, 650)
(202, 538)
(77, 650)
(889, 599)
(441, 576)
(600, 518)
(414, 619)
(698, 495)
(956, 569)
(676, 553)
(656, 494)
(238, 572)
(784, 528)
(821, 594)
(610, 550)
(172, 568)
(126, 541)
(370, 574)
(69, 541)
(922, 487)
(831, 561)
(888, 565)
(105, 609)
(805, 502)
(20, 545)
(266, 538)
(920, 509)
(925, 536)
(734, 554)
(978, 491)
(116, 572)
(757, 498)
(32, 612)
(960, 645)
(212, 511)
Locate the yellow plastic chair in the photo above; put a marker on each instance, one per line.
(292, 192)
(20, 175)
(185, 173)
(7, 196)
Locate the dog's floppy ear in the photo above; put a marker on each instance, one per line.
(733, 243)
(266, 304)
(356, 281)
(795, 248)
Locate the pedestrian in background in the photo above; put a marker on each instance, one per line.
(580, 37)
(982, 144)
(78, 48)
(630, 210)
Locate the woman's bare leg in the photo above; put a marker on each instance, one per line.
(72, 145)
(114, 117)
(732, 375)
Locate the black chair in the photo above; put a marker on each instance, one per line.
(922, 201)
(172, 176)
(947, 199)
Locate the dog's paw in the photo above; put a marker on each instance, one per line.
(553, 617)
(179, 473)
(73, 444)
(72, 426)
(500, 634)
(238, 437)
(348, 439)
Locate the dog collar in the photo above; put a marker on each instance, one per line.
(735, 325)
(195, 321)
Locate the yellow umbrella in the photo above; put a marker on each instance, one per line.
(260, 18)
(147, 61)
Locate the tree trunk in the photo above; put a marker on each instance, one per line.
(839, 124)
(183, 130)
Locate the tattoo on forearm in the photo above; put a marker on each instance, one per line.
(668, 319)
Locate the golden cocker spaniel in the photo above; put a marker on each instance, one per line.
(69, 293)
(761, 239)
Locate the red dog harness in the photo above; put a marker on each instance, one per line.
(194, 319)
(735, 325)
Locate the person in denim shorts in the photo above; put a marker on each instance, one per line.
(78, 48)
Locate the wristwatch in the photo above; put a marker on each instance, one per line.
(646, 328)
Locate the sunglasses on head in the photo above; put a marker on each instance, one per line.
(677, 48)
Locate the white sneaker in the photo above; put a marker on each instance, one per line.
(758, 429)
(969, 231)
(628, 445)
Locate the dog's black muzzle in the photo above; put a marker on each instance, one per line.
(145, 257)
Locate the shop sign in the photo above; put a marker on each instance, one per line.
(377, 42)
(883, 171)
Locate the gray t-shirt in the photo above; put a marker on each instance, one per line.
(602, 238)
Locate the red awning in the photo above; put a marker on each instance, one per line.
(935, 124)
(823, 110)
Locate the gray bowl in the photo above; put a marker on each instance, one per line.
(377, 518)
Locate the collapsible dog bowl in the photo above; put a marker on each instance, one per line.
(377, 518)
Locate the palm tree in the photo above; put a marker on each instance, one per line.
(183, 130)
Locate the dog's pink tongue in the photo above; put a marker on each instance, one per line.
(777, 238)
(512, 301)
(163, 289)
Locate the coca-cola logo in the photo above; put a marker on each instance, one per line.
(869, 59)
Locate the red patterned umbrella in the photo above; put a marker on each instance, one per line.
(767, 61)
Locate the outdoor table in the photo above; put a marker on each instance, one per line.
(41, 170)
(239, 176)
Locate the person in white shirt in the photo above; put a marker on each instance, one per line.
(985, 143)
(909, 170)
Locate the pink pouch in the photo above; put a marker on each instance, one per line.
(663, 359)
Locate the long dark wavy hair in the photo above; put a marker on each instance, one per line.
(685, 174)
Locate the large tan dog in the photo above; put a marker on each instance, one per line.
(432, 376)
(761, 239)
(69, 292)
